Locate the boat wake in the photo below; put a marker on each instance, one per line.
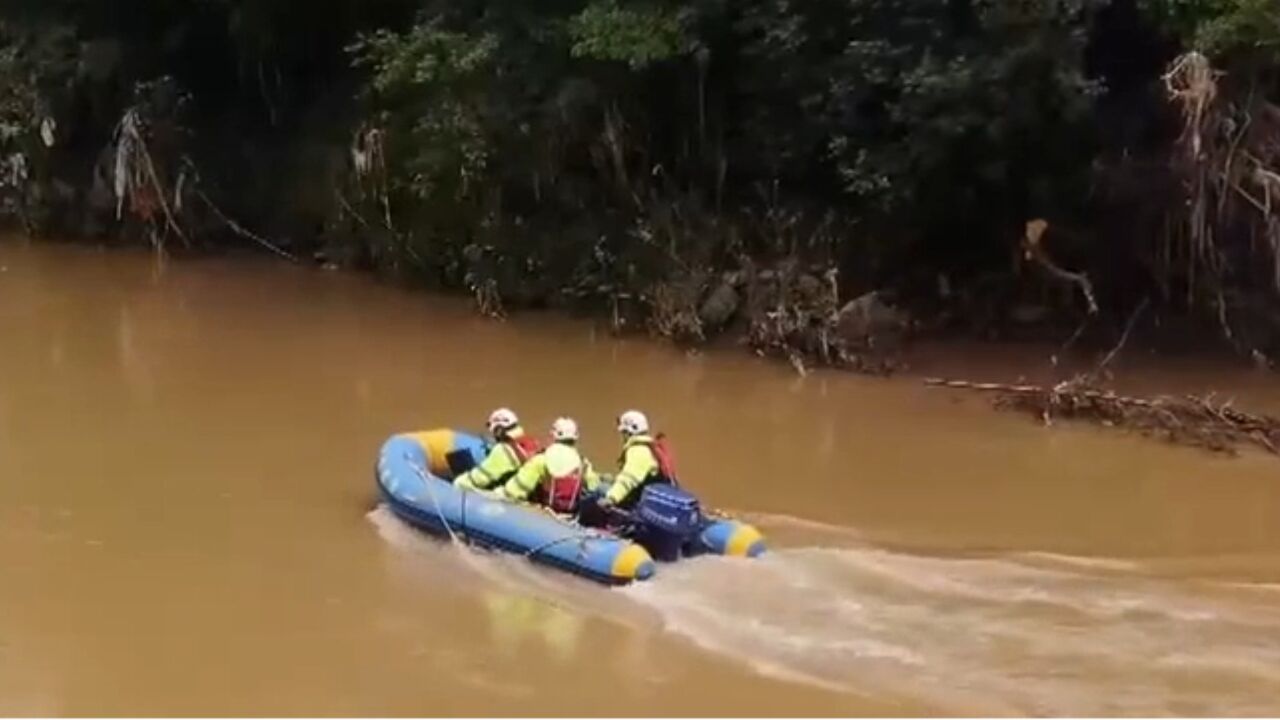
(1021, 634)
(1007, 635)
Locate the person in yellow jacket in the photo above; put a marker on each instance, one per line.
(559, 475)
(511, 449)
(644, 460)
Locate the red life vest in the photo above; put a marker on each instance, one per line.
(562, 492)
(666, 471)
(524, 447)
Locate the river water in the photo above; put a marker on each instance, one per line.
(188, 523)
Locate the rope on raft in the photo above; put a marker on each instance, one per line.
(582, 539)
(434, 501)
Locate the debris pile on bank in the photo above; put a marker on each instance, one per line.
(785, 310)
(1189, 420)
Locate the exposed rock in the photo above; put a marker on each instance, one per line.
(720, 304)
(867, 318)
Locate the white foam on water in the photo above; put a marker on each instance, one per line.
(1089, 563)
(1258, 587)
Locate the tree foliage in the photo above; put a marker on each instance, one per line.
(636, 35)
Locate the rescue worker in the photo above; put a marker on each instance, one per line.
(557, 476)
(511, 448)
(645, 459)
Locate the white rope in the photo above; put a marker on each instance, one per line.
(426, 481)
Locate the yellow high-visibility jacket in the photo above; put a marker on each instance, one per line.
(638, 464)
(499, 465)
(535, 472)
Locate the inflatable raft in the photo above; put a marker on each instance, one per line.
(414, 473)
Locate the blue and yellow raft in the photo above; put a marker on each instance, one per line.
(413, 475)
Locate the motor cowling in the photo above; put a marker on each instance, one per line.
(669, 519)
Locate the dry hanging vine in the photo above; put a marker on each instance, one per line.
(1228, 157)
(139, 186)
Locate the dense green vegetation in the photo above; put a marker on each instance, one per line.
(692, 164)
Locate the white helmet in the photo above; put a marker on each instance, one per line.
(502, 419)
(633, 422)
(564, 430)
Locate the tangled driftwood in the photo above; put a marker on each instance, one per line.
(1187, 420)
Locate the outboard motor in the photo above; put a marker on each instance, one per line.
(668, 519)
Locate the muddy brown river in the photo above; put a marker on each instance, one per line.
(188, 522)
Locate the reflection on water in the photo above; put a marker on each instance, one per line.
(515, 619)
